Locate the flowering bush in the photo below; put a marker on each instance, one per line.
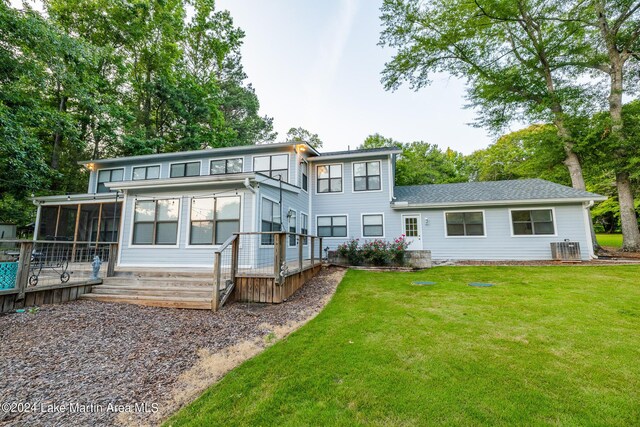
(376, 252)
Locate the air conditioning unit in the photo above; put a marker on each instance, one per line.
(565, 251)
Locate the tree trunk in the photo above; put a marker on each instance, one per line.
(57, 137)
(630, 232)
(147, 106)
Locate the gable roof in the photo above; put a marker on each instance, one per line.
(489, 192)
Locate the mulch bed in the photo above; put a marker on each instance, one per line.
(87, 352)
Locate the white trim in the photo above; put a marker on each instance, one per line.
(406, 205)
(97, 171)
(391, 177)
(288, 227)
(152, 246)
(384, 228)
(553, 217)
(353, 177)
(270, 163)
(187, 241)
(587, 228)
(184, 163)
(420, 231)
(123, 215)
(342, 168)
(146, 167)
(211, 159)
(259, 225)
(484, 224)
(331, 215)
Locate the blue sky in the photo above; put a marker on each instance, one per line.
(316, 64)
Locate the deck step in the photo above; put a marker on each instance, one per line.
(153, 291)
(158, 281)
(153, 301)
(177, 274)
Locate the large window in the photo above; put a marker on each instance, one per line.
(304, 167)
(372, 225)
(146, 172)
(332, 226)
(273, 166)
(366, 176)
(214, 220)
(293, 227)
(465, 224)
(179, 170)
(82, 223)
(156, 222)
(110, 175)
(304, 227)
(329, 178)
(532, 222)
(224, 166)
(270, 220)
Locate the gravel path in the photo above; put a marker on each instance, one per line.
(85, 353)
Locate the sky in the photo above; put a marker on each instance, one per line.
(317, 65)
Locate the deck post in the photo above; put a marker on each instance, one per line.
(113, 257)
(300, 253)
(217, 265)
(279, 249)
(24, 265)
(320, 250)
(235, 246)
(313, 250)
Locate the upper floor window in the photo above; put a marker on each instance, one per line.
(329, 178)
(532, 222)
(304, 167)
(274, 166)
(332, 226)
(214, 219)
(465, 224)
(109, 175)
(366, 176)
(224, 166)
(155, 222)
(146, 172)
(270, 220)
(179, 170)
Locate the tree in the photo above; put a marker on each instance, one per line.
(302, 135)
(378, 141)
(424, 163)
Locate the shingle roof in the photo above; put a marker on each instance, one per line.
(469, 192)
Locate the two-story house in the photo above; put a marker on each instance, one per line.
(174, 209)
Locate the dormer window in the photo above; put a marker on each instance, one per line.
(109, 175)
(146, 172)
(274, 166)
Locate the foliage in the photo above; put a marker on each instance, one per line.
(384, 352)
(376, 252)
(302, 135)
(424, 163)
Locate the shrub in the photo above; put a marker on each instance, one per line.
(374, 252)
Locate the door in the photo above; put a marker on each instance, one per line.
(411, 231)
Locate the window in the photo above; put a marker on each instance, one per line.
(146, 172)
(179, 170)
(156, 222)
(366, 176)
(329, 178)
(214, 219)
(304, 227)
(273, 166)
(224, 166)
(305, 178)
(111, 175)
(532, 222)
(332, 226)
(293, 226)
(465, 224)
(270, 220)
(372, 225)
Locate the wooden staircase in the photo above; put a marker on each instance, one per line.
(174, 289)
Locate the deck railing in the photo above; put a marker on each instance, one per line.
(275, 255)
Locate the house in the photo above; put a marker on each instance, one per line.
(174, 209)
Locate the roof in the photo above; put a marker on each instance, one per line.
(197, 153)
(523, 190)
(358, 153)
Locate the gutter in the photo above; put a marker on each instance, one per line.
(353, 155)
(407, 205)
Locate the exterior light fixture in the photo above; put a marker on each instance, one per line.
(91, 166)
(301, 147)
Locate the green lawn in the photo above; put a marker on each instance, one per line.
(612, 240)
(545, 345)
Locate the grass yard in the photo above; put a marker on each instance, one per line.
(545, 345)
(611, 240)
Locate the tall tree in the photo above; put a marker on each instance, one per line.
(302, 135)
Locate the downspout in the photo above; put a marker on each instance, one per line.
(587, 212)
